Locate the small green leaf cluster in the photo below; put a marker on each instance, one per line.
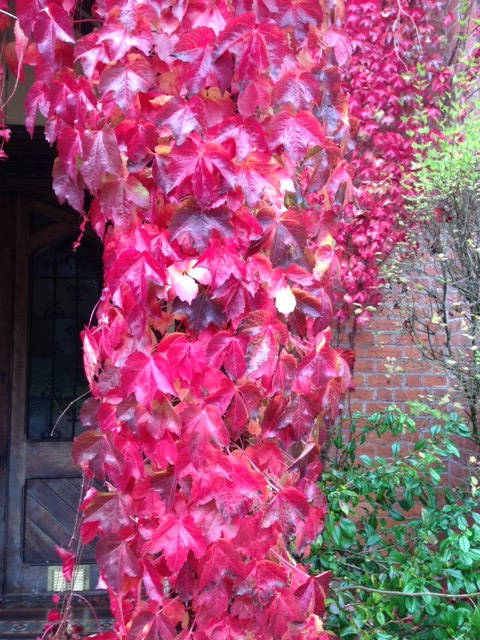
(447, 172)
(394, 528)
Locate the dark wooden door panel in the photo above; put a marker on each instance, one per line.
(40, 456)
(43, 483)
(51, 512)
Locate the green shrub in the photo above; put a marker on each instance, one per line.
(394, 526)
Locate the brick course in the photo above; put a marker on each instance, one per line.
(389, 369)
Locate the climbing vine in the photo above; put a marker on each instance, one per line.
(210, 139)
(403, 59)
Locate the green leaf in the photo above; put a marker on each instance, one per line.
(475, 554)
(372, 540)
(380, 617)
(396, 515)
(344, 507)
(464, 544)
(337, 536)
(420, 444)
(348, 528)
(475, 619)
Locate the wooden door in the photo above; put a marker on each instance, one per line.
(51, 299)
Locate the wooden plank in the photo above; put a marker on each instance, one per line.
(43, 457)
(42, 531)
(39, 514)
(55, 533)
(68, 490)
(38, 546)
(40, 492)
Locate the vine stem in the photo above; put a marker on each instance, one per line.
(70, 404)
(401, 11)
(409, 594)
(7, 13)
(92, 610)
(19, 65)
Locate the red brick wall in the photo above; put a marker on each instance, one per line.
(389, 369)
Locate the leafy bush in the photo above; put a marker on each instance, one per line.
(394, 528)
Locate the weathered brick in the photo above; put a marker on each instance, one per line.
(435, 381)
(385, 348)
(378, 380)
(363, 393)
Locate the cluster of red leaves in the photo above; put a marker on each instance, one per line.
(4, 24)
(399, 64)
(210, 136)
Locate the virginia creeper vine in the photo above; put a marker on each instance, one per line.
(211, 137)
(401, 63)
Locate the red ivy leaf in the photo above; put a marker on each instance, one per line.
(52, 23)
(257, 47)
(109, 510)
(101, 155)
(136, 270)
(199, 223)
(175, 537)
(195, 48)
(265, 334)
(341, 44)
(295, 132)
(207, 166)
(151, 626)
(283, 610)
(95, 452)
(124, 80)
(146, 375)
(68, 562)
(301, 91)
(205, 424)
(247, 135)
(228, 351)
(253, 175)
(287, 508)
(182, 117)
(200, 314)
(117, 561)
(27, 11)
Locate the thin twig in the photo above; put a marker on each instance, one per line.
(70, 404)
(17, 78)
(7, 13)
(409, 594)
(95, 617)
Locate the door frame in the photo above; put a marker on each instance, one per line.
(28, 170)
(25, 177)
(28, 459)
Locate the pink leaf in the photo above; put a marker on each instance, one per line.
(146, 375)
(175, 538)
(101, 155)
(68, 562)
